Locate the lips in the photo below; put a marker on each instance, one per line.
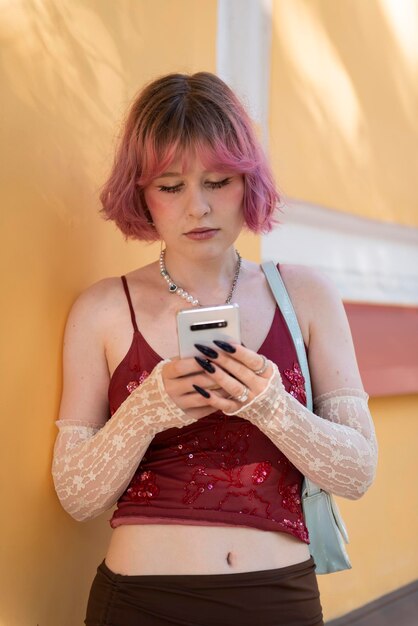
(200, 230)
(201, 234)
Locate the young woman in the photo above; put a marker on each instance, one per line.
(204, 457)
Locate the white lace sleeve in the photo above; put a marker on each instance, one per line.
(335, 446)
(93, 465)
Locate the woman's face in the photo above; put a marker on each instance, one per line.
(196, 212)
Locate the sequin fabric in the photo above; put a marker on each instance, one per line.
(297, 382)
(335, 447)
(143, 487)
(134, 384)
(217, 469)
(211, 470)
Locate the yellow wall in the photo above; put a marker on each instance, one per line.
(383, 542)
(344, 134)
(344, 104)
(68, 71)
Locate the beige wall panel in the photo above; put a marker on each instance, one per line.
(68, 71)
(344, 96)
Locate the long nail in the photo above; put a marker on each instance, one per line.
(202, 392)
(223, 345)
(212, 354)
(207, 365)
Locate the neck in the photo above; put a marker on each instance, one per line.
(207, 279)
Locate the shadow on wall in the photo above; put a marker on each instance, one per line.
(69, 70)
(65, 79)
(63, 82)
(350, 124)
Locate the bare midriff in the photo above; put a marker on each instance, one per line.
(183, 549)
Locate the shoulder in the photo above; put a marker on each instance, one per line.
(308, 286)
(103, 305)
(314, 296)
(304, 276)
(96, 305)
(86, 372)
(332, 358)
(99, 295)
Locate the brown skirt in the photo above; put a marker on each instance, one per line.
(287, 596)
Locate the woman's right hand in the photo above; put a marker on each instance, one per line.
(179, 376)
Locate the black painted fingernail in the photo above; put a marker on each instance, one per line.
(202, 392)
(225, 346)
(207, 365)
(212, 354)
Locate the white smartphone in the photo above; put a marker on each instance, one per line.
(205, 324)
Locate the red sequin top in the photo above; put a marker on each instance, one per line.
(220, 470)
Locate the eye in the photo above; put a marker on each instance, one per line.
(218, 184)
(173, 189)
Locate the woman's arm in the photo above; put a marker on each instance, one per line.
(335, 446)
(93, 465)
(95, 457)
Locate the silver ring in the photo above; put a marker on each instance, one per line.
(243, 397)
(263, 368)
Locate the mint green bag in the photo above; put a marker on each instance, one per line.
(327, 532)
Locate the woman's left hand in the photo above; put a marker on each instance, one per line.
(233, 370)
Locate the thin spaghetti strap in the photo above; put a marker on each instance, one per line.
(128, 297)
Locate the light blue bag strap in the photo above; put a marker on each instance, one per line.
(282, 298)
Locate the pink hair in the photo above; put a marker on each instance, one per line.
(178, 115)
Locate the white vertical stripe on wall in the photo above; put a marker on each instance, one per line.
(243, 53)
(368, 260)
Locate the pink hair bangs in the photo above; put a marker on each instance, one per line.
(260, 194)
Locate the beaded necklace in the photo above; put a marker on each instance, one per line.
(174, 288)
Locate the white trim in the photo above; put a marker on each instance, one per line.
(243, 47)
(368, 260)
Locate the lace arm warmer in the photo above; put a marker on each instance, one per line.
(93, 465)
(335, 446)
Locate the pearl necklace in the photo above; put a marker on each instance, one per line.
(174, 288)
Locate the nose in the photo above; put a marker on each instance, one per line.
(197, 202)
